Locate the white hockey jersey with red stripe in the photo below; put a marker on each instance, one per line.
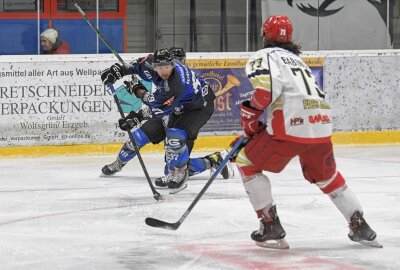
(285, 86)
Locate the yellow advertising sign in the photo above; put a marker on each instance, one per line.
(216, 63)
(241, 62)
(314, 61)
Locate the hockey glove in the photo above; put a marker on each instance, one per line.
(113, 74)
(137, 89)
(249, 119)
(132, 120)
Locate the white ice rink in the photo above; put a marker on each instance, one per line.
(57, 213)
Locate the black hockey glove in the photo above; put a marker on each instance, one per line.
(132, 120)
(137, 89)
(112, 74)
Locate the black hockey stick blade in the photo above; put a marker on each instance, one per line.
(153, 222)
(157, 196)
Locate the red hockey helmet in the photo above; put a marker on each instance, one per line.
(278, 29)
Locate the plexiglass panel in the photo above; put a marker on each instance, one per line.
(198, 25)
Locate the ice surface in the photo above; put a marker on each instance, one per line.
(57, 213)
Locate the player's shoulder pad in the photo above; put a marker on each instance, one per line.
(258, 62)
(148, 61)
(183, 72)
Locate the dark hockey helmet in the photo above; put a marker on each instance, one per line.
(163, 57)
(178, 54)
(277, 29)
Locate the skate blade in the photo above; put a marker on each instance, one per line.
(157, 187)
(176, 190)
(372, 243)
(107, 175)
(274, 244)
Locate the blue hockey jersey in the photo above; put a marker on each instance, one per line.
(183, 91)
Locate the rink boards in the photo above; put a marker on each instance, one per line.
(203, 144)
(57, 105)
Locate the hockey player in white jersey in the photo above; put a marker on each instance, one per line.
(298, 123)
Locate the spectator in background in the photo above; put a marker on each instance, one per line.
(52, 44)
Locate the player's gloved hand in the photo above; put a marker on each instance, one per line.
(236, 153)
(249, 119)
(132, 120)
(112, 74)
(136, 89)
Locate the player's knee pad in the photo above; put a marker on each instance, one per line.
(175, 140)
(176, 151)
(128, 150)
(331, 184)
(258, 188)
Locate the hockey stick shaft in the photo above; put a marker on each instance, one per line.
(156, 195)
(173, 226)
(100, 35)
(85, 17)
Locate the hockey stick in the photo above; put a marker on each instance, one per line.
(156, 195)
(99, 33)
(153, 222)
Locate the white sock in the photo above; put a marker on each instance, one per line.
(345, 201)
(258, 188)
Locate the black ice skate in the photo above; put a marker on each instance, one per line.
(361, 232)
(162, 182)
(113, 168)
(216, 160)
(178, 179)
(271, 233)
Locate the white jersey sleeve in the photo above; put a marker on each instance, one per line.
(298, 110)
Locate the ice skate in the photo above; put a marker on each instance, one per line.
(271, 233)
(113, 168)
(178, 181)
(216, 160)
(361, 232)
(162, 182)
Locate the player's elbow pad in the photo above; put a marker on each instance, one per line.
(260, 99)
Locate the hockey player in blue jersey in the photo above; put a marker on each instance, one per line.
(180, 105)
